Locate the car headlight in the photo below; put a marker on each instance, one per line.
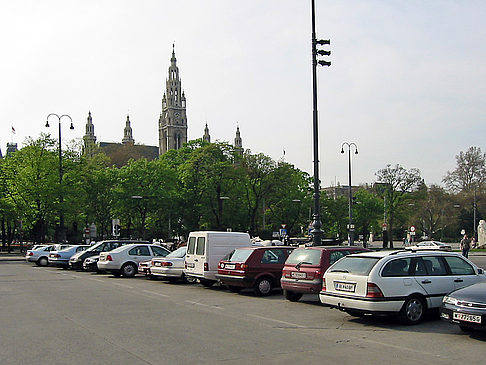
(449, 300)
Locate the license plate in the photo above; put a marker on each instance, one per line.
(229, 266)
(349, 287)
(298, 275)
(190, 265)
(466, 317)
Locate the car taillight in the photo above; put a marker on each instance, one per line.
(318, 274)
(324, 284)
(57, 256)
(168, 263)
(31, 254)
(244, 266)
(206, 266)
(109, 258)
(373, 291)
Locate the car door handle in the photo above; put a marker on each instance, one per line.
(196, 260)
(426, 281)
(458, 281)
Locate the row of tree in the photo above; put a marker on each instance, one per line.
(212, 186)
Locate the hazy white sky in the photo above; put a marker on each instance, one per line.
(407, 82)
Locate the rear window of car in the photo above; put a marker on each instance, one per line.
(240, 255)
(191, 245)
(179, 253)
(301, 255)
(357, 265)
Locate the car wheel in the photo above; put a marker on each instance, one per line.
(206, 283)
(263, 286)
(234, 289)
(292, 296)
(129, 270)
(43, 261)
(413, 310)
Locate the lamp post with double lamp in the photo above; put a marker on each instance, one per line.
(61, 235)
(316, 224)
(351, 225)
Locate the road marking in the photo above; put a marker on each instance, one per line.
(154, 293)
(123, 285)
(276, 320)
(98, 280)
(203, 305)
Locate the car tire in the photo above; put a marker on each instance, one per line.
(413, 310)
(128, 270)
(206, 283)
(43, 261)
(292, 296)
(234, 288)
(263, 286)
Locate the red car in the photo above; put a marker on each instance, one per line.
(259, 268)
(303, 270)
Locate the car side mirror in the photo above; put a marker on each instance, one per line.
(480, 271)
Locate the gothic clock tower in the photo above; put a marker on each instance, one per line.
(173, 120)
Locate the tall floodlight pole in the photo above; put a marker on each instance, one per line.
(351, 224)
(316, 224)
(61, 237)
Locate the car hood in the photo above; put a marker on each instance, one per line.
(472, 293)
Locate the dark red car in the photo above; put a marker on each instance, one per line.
(303, 270)
(259, 268)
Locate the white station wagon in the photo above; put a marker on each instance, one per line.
(124, 260)
(406, 283)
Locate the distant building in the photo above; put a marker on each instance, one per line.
(11, 148)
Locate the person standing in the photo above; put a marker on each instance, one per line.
(465, 246)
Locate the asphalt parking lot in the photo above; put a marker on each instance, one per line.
(56, 316)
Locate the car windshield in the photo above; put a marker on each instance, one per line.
(240, 255)
(179, 253)
(305, 256)
(357, 265)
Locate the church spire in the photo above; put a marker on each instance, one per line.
(127, 133)
(238, 141)
(89, 138)
(206, 136)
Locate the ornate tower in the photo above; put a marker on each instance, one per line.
(206, 136)
(238, 142)
(127, 133)
(89, 138)
(173, 120)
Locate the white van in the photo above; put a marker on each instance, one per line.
(206, 248)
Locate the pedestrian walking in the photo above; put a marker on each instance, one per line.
(465, 246)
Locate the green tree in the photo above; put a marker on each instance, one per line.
(367, 212)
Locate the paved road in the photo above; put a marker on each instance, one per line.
(55, 316)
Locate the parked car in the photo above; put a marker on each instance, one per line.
(206, 248)
(405, 283)
(77, 260)
(304, 268)
(259, 268)
(466, 307)
(124, 260)
(61, 257)
(40, 256)
(431, 245)
(170, 267)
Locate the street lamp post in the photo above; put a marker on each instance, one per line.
(61, 197)
(316, 224)
(351, 225)
(221, 200)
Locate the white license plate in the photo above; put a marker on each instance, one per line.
(298, 275)
(466, 317)
(349, 287)
(190, 265)
(229, 266)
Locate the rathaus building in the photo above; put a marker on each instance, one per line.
(173, 120)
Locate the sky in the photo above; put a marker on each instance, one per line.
(407, 82)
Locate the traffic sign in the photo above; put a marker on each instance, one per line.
(412, 228)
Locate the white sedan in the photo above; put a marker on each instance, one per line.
(124, 260)
(431, 245)
(170, 267)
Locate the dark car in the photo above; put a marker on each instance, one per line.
(466, 307)
(259, 268)
(303, 270)
(76, 261)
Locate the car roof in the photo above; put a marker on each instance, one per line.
(399, 253)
